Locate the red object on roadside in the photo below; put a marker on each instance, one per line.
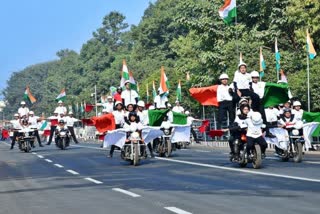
(5, 134)
(101, 137)
(88, 107)
(87, 122)
(46, 132)
(216, 133)
(204, 126)
(54, 122)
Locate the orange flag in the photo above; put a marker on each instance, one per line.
(207, 96)
(104, 123)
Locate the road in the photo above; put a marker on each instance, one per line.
(82, 179)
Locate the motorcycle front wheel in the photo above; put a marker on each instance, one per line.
(297, 157)
(135, 154)
(257, 160)
(169, 148)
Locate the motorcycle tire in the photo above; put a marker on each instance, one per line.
(257, 160)
(135, 155)
(63, 144)
(297, 157)
(27, 147)
(169, 148)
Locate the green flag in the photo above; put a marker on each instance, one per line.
(179, 119)
(157, 116)
(275, 94)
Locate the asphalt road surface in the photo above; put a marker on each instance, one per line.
(83, 180)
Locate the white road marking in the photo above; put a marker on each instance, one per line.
(94, 180)
(312, 162)
(272, 158)
(49, 161)
(241, 170)
(72, 172)
(40, 156)
(197, 150)
(126, 192)
(177, 210)
(34, 153)
(58, 165)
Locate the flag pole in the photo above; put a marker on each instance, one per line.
(95, 99)
(308, 81)
(236, 23)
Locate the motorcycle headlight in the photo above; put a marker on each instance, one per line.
(166, 131)
(63, 134)
(295, 132)
(26, 134)
(134, 136)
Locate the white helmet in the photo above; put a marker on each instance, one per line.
(118, 102)
(16, 115)
(141, 103)
(104, 110)
(56, 112)
(243, 100)
(223, 76)
(169, 105)
(109, 97)
(242, 63)
(60, 101)
(187, 112)
(151, 107)
(70, 112)
(256, 118)
(296, 103)
(254, 74)
(31, 112)
(23, 103)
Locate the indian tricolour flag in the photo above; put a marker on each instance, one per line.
(28, 96)
(62, 96)
(228, 11)
(154, 92)
(262, 64)
(124, 73)
(164, 83)
(311, 51)
(179, 91)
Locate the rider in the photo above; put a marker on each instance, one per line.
(254, 133)
(23, 110)
(61, 126)
(297, 111)
(242, 83)
(224, 97)
(134, 124)
(25, 127)
(16, 126)
(33, 121)
(239, 127)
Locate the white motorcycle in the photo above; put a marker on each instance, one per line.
(293, 148)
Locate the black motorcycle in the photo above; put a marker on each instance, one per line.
(241, 157)
(164, 146)
(62, 138)
(26, 140)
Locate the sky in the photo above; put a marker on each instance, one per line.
(32, 31)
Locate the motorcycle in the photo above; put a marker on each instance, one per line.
(164, 146)
(293, 148)
(134, 149)
(26, 140)
(241, 157)
(62, 138)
